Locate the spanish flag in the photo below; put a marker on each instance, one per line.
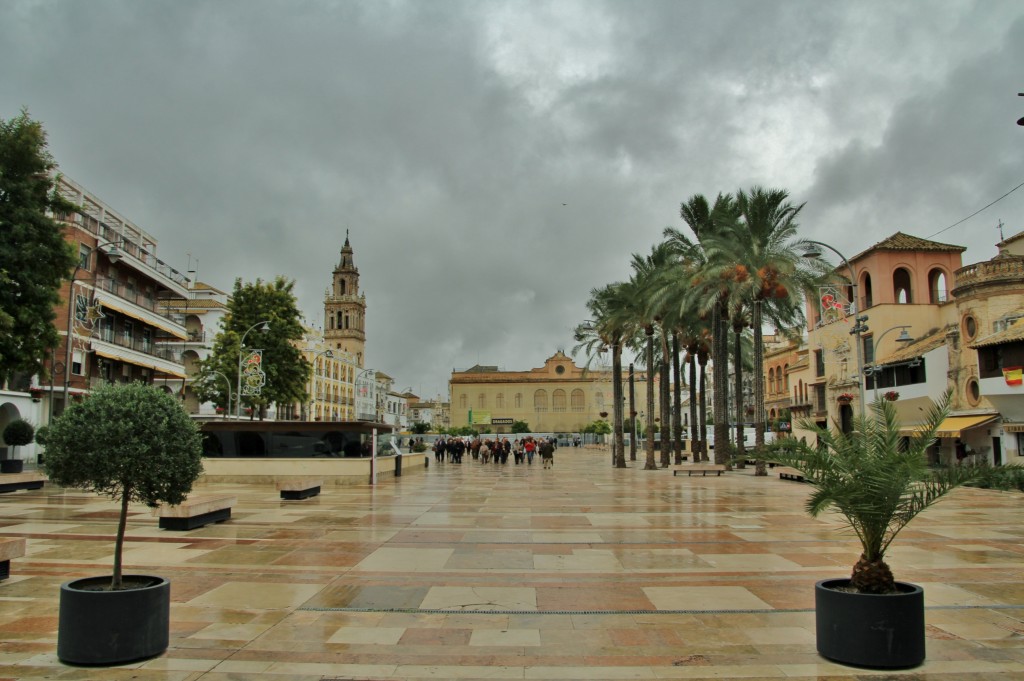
(1013, 375)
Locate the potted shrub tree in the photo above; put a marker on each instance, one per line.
(134, 443)
(878, 486)
(18, 433)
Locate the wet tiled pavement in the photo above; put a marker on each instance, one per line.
(479, 571)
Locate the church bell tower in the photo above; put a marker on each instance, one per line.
(345, 308)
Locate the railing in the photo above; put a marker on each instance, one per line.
(133, 295)
(1010, 268)
(143, 345)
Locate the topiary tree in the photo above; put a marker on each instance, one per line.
(131, 442)
(19, 433)
(520, 427)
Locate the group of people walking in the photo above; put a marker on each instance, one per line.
(497, 451)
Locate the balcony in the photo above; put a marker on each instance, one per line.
(136, 297)
(1003, 269)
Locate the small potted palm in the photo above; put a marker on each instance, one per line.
(878, 483)
(133, 443)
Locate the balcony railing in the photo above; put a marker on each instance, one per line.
(1003, 269)
(143, 345)
(133, 295)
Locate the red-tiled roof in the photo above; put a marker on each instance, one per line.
(905, 242)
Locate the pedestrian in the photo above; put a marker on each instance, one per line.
(531, 448)
(547, 454)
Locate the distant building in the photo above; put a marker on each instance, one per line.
(345, 308)
(558, 397)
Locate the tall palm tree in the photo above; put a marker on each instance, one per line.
(765, 244)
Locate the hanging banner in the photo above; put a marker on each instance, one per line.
(1013, 375)
(833, 305)
(253, 376)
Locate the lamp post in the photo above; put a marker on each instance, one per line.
(904, 337)
(264, 327)
(859, 326)
(114, 256)
(227, 382)
(312, 389)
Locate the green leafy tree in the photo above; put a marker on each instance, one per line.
(34, 258)
(419, 427)
(287, 370)
(129, 441)
(876, 484)
(520, 427)
(19, 433)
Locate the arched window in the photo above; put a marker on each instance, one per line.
(499, 401)
(481, 400)
(463, 402)
(868, 296)
(771, 380)
(519, 400)
(540, 400)
(558, 400)
(785, 378)
(901, 286)
(937, 292)
(577, 400)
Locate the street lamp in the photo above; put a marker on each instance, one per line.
(904, 337)
(227, 382)
(329, 355)
(264, 327)
(114, 256)
(859, 326)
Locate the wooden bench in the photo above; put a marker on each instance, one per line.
(299, 488)
(702, 468)
(787, 473)
(10, 547)
(11, 482)
(196, 512)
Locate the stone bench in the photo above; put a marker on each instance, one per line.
(702, 468)
(196, 512)
(11, 482)
(299, 488)
(10, 547)
(787, 473)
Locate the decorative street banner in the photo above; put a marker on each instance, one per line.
(480, 418)
(253, 376)
(834, 306)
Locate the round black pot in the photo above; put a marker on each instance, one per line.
(869, 630)
(113, 627)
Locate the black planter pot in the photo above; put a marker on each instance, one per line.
(868, 630)
(11, 466)
(113, 627)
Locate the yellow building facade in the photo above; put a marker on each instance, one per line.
(558, 397)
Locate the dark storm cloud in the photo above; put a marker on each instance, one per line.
(495, 161)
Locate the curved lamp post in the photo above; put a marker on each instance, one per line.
(114, 256)
(227, 382)
(904, 337)
(264, 327)
(860, 325)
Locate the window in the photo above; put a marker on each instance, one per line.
(819, 363)
(901, 286)
(771, 380)
(519, 400)
(499, 401)
(84, 256)
(973, 391)
(869, 349)
(785, 379)
(577, 400)
(540, 400)
(481, 400)
(463, 401)
(937, 292)
(868, 299)
(558, 400)
(970, 327)
(76, 363)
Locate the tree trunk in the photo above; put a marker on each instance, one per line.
(691, 360)
(759, 467)
(737, 360)
(650, 464)
(677, 403)
(703, 415)
(618, 451)
(632, 413)
(720, 384)
(666, 402)
(122, 523)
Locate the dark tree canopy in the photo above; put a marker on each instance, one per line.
(286, 369)
(34, 258)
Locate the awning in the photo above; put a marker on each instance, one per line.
(152, 318)
(953, 426)
(159, 365)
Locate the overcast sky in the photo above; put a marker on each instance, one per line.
(495, 161)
